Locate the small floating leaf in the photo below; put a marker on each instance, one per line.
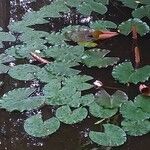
(96, 57)
(136, 128)
(114, 101)
(125, 73)
(141, 27)
(36, 127)
(65, 115)
(143, 102)
(112, 136)
(130, 111)
(24, 72)
(101, 112)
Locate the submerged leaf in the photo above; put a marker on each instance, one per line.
(36, 127)
(112, 136)
(65, 115)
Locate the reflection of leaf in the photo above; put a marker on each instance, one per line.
(24, 72)
(125, 73)
(130, 111)
(65, 115)
(114, 101)
(143, 102)
(101, 112)
(136, 128)
(96, 57)
(35, 126)
(112, 136)
(141, 27)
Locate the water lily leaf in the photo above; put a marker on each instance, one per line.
(62, 69)
(4, 58)
(136, 128)
(65, 53)
(19, 99)
(125, 73)
(130, 111)
(143, 102)
(103, 25)
(104, 2)
(87, 7)
(130, 3)
(24, 72)
(66, 115)
(78, 82)
(112, 136)
(36, 127)
(114, 101)
(143, 11)
(101, 112)
(4, 68)
(22, 104)
(96, 57)
(141, 27)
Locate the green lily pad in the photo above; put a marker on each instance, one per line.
(136, 128)
(114, 101)
(112, 136)
(125, 73)
(36, 127)
(67, 116)
(141, 27)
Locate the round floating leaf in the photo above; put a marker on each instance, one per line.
(143, 102)
(130, 111)
(143, 11)
(125, 73)
(4, 58)
(66, 115)
(114, 101)
(96, 57)
(87, 7)
(36, 127)
(103, 25)
(136, 128)
(24, 72)
(101, 112)
(130, 3)
(112, 136)
(4, 68)
(141, 27)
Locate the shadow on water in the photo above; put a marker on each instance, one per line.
(68, 137)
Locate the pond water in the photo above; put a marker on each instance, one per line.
(68, 137)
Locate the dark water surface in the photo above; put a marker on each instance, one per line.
(68, 137)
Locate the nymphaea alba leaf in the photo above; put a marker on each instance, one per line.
(24, 72)
(127, 26)
(101, 112)
(143, 102)
(136, 128)
(125, 73)
(130, 111)
(143, 11)
(67, 116)
(110, 101)
(96, 57)
(36, 127)
(112, 136)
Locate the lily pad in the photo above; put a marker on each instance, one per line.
(67, 116)
(112, 136)
(36, 127)
(125, 73)
(136, 128)
(141, 27)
